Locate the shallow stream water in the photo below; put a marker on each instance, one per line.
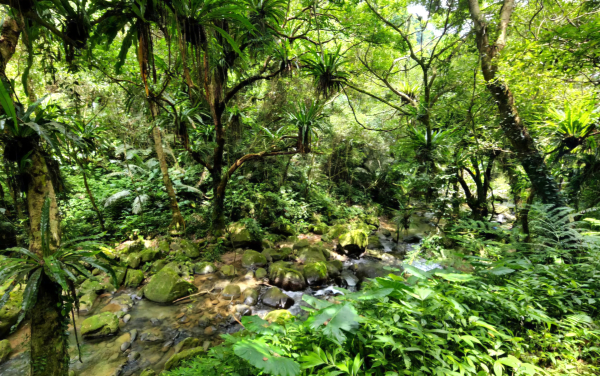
(159, 328)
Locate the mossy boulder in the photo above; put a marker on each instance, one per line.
(282, 229)
(334, 268)
(228, 271)
(260, 273)
(279, 316)
(120, 273)
(5, 350)
(312, 254)
(134, 278)
(275, 298)
(204, 268)
(102, 325)
(253, 259)
(282, 275)
(250, 296)
(186, 344)
(231, 291)
(315, 273)
(164, 246)
(354, 242)
(266, 243)
(130, 246)
(149, 254)
(183, 355)
(302, 243)
(372, 220)
(189, 248)
(241, 237)
(374, 243)
(167, 285)
(277, 254)
(10, 312)
(337, 230)
(134, 260)
(157, 266)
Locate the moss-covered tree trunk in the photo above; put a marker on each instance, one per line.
(49, 355)
(177, 222)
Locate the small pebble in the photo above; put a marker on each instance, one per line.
(126, 318)
(209, 331)
(125, 346)
(134, 356)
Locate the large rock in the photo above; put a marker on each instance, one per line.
(185, 354)
(189, 248)
(277, 254)
(312, 254)
(241, 237)
(282, 229)
(167, 286)
(334, 268)
(279, 316)
(134, 278)
(231, 291)
(102, 325)
(134, 260)
(228, 271)
(120, 273)
(186, 344)
(253, 259)
(250, 296)
(374, 243)
(275, 298)
(9, 314)
(204, 268)
(157, 266)
(302, 243)
(315, 273)
(5, 350)
(149, 254)
(283, 276)
(354, 242)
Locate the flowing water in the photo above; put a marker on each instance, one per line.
(149, 332)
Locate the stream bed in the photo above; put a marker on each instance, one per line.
(150, 332)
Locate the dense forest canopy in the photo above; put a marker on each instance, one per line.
(412, 185)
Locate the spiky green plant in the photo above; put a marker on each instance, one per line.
(308, 118)
(572, 126)
(326, 70)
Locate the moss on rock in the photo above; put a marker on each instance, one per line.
(104, 324)
(186, 354)
(167, 286)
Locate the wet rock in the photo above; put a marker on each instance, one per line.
(231, 292)
(204, 268)
(354, 242)
(5, 350)
(134, 278)
(241, 237)
(312, 254)
(206, 345)
(186, 344)
(86, 302)
(279, 316)
(154, 321)
(350, 278)
(248, 276)
(149, 254)
(260, 273)
(133, 333)
(189, 248)
(167, 346)
(385, 232)
(210, 330)
(243, 310)
(228, 271)
(315, 273)
(133, 356)
(123, 300)
(275, 298)
(204, 321)
(126, 318)
(374, 243)
(186, 354)
(250, 296)
(277, 254)
(167, 286)
(104, 324)
(303, 243)
(334, 268)
(288, 279)
(134, 260)
(412, 239)
(152, 335)
(125, 346)
(253, 259)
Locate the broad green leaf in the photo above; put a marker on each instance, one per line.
(502, 270)
(416, 272)
(454, 277)
(370, 294)
(29, 295)
(337, 319)
(266, 358)
(8, 105)
(317, 303)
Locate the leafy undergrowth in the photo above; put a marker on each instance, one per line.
(509, 318)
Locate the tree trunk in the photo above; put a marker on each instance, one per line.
(177, 223)
(91, 197)
(514, 129)
(49, 355)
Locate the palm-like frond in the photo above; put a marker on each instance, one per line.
(326, 70)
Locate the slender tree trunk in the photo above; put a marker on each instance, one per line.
(511, 123)
(177, 223)
(525, 215)
(91, 197)
(49, 355)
